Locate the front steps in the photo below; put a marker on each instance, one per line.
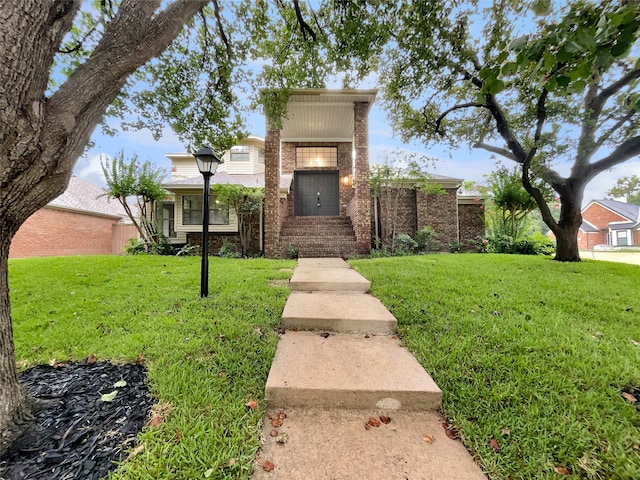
(320, 236)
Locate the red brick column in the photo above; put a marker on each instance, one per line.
(272, 194)
(362, 220)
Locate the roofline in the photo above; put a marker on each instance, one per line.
(85, 212)
(599, 202)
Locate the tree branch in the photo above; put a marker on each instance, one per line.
(452, 109)
(614, 128)
(304, 26)
(497, 150)
(223, 36)
(538, 197)
(628, 149)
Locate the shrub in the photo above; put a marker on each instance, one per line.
(135, 246)
(163, 247)
(405, 244)
(292, 252)
(480, 244)
(454, 247)
(535, 244)
(187, 250)
(228, 250)
(501, 244)
(427, 240)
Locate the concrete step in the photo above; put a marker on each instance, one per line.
(328, 279)
(337, 312)
(333, 444)
(348, 371)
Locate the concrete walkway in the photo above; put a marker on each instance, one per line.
(337, 371)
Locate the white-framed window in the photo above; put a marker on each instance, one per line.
(317, 156)
(192, 210)
(239, 153)
(261, 156)
(622, 238)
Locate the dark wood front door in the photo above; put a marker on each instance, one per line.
(317, 193)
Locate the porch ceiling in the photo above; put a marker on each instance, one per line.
(322, 115)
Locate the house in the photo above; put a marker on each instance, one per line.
(81, 221)
(317, 194)
(609, 223)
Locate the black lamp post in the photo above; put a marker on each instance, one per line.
(208, 162)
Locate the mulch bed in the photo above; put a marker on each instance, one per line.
(76, 434)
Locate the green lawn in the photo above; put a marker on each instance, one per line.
(206, 358)
(530, 352)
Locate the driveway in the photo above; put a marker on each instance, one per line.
(622, 257)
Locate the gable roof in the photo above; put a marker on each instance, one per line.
(81, 196)
(627, 210)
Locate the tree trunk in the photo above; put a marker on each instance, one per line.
(15, 403)
(568, 225)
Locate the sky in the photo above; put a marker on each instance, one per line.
(464, 163)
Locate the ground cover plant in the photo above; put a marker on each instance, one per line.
(206, 358)
(532, 356)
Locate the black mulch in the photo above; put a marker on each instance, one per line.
(76, 435)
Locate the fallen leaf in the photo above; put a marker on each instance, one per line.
(120, 384)
(278, 421)
(629, 397)
(209, 472)
(177, 437)
(267, 466)
(251, 404)
(373, 421)
(231, 462)
(274, 433)
(562, 470)
(108, 397)
(384, 419)
(505, 431)
(91, 359)
(493, 443)
(282, 438)
(428, 439)
(394, 337)
(451, 431)
(367, 426)
(156, 420)
(141, 360)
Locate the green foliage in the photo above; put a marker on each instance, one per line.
(404, 244)
(187, 250)
(628, 187)
(130, 178)
(135, 246)
(535, 244)
(205, 357)
(292, 252)
(247, 203)
(526, 354)
(427, 240)
(228, 250)
(163, 247)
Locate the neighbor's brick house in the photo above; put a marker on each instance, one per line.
(81, 221)
(609, 223)
(315, 172)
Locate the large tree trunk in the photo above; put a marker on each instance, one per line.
(15, 406)
(568, 226)
(41, 138)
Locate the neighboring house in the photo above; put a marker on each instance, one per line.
(315, 171)
(611, 223)
(81, 221)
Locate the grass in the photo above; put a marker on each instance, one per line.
(206, 358)
(529, 352)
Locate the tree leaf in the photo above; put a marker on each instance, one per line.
(108, 397)
(493, 443)
(209, 472)
(120, 384)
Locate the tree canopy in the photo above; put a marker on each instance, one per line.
(627, 187)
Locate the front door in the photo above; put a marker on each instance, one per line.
(317, 193)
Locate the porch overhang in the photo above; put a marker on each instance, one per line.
(322, 115)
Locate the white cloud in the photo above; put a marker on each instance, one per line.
(89, 168)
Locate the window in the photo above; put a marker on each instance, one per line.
(621, 238)
(239, 153)
(317, 156)
(192, 211)
(261, 156)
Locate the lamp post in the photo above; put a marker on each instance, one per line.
(208, 162)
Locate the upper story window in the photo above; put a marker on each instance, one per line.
(239, 153)
(317, 156)
(261, 156)
(192, 210)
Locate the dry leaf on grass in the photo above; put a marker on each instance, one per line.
(251, 404)
(629, 397)
(562, 470)
(493, 443)
(451, 431)
(155, 421)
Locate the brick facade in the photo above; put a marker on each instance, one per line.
(440, 212)
(272, 205)
(600, 217)
(53, 232)
(470, 222)
(362, 191)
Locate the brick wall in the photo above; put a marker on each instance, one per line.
(588, 240)
(470, 222)
(272, 204)
(362, 191)
(52, 232)
(398, 203)
(600, 217)
(440, 212)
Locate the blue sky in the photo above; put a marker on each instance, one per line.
(460, 163)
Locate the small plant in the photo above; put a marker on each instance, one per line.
(454, 247)
(228, 250)
(427, 240)
(292, 252)
(135, 247)
(480, 244)
(187, 250)
(535, 244)
(163, 247)
(404, 244)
